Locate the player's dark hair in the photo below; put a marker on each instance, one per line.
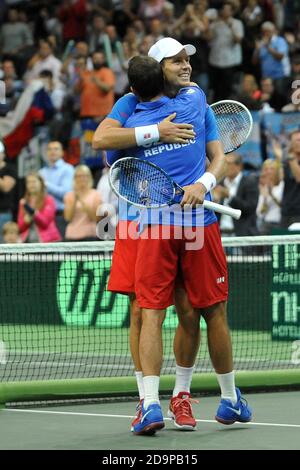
(145, 76)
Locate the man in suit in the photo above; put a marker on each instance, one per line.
(240, 192)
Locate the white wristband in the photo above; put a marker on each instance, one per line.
(208, 180)
(146, 135)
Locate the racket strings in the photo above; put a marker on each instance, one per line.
(141, 184)
(234, 124)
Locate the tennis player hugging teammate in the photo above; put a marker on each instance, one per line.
(195, 279)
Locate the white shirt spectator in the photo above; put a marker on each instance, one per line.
(50, 63)
(272, 212)
(225, 52)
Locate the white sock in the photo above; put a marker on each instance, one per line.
(183, 379)
(140, 383)
(227, 386)
(151, 387)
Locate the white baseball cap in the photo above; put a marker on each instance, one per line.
(168, 47)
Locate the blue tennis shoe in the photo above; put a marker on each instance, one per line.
(151, 420)
(228, 413)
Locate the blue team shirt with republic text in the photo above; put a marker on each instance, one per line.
(185, 163)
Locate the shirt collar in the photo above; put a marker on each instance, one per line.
(58, 163)
(152, 104)
(235, 182)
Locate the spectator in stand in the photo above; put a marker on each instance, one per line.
(44, 60)
(11, 233)
(140, 29)
(293, 40)
(196, 12)
(15, 37)
(97, 32)
(131, 43)
(109, 200)
(97, 89)
(156, 29)
(290, 209)
(58, 177)
(73, 15)
(194, 29)
(71, 80)
(240, 192)
(150, 9)
(118, 64)
(54, 90)
(69, 68)
(168, 19)
(295, 75)
(271, 185)
(8, 181)
(40, 27)
(272, 52)
(249, 94)
(268, 9)
(225, 56)
(13, 86)
(145, 44)
(279, 15)
(270, 97)
(45, 23)
(103, 8)
(252, 17)
(36, 215)
(124, 17)
(81, 206)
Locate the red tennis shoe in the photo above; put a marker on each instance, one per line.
(138, 414)
(180, 410)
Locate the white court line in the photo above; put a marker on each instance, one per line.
(71, 413)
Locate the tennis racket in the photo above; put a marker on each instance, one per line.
(146, 185)
(234, 123)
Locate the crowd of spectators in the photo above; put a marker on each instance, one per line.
(63, 64)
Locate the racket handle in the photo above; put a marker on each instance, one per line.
(235, 213)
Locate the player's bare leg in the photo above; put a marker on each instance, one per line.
(186, 346)
(135, 330)
(187, 336)
(151, 354)
(151, 347)
(219, 339)
(134, 339)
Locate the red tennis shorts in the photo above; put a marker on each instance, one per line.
(203, 270)
(122, 271)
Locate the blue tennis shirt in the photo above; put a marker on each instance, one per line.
(185, 163)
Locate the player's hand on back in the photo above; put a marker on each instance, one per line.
(193, 194)
(174, 132)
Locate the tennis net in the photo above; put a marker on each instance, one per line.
(58, 322)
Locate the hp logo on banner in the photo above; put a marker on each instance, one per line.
(2, 92)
